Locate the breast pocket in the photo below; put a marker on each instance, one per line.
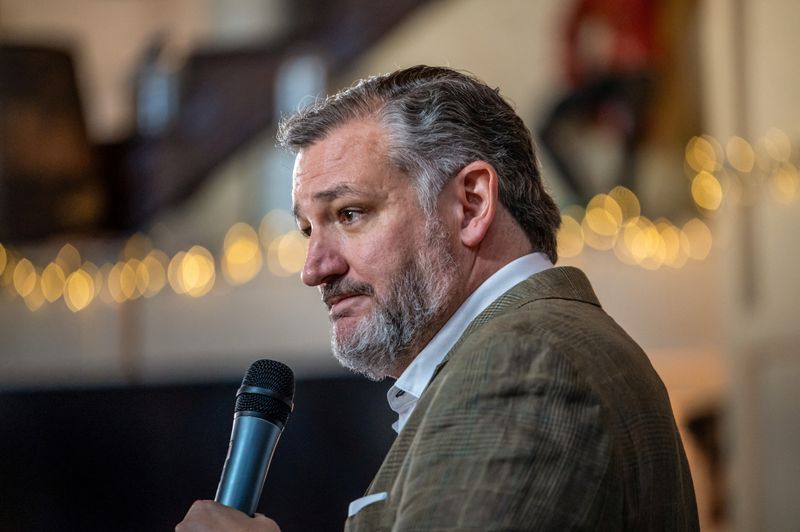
(359, 504)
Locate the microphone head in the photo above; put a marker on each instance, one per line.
(267, 391)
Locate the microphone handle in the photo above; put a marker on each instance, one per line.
(253, 441)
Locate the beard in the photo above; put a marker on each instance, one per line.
(417, 297)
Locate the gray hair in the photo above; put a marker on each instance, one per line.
(438, 121)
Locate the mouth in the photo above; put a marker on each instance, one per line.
(338, 305)
(341, 297)
(331, 302)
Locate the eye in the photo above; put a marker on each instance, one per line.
(349, 215)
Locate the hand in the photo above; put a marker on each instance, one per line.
(210, 516)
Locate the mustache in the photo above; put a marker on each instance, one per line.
(344, 287)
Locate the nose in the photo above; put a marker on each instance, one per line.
(324, 262)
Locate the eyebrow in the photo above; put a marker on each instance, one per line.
(329, 195)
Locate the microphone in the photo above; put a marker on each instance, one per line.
(263, 404)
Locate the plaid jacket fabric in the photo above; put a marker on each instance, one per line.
(545, 415)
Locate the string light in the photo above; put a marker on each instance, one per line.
(52, 282)
(706, 191)
(241, 255)
(25, 277)
(3, 259)
(79, 290)
(609, 222)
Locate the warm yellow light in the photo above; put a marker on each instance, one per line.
(103, 288)
(241, 258)
(94, 272)
(192, 272)
(155, 262)
(701, 154)
(291, 253)
(3, 259)
(35, 299)
(173, 273)
(52, 282)
(7, 277)
(627, 201)
(675, 254)
(137, 246)
(706, 191)
(644, 244)
(25, 277)
(68, 259)
(698, 238)
(740, 154)
(570, 237)
(594, 240)
(128, 283)
(777, 145)
(79, 290)
(603, 215)
(274, 224)
(141, 276)
(114, 283)
(784, 183)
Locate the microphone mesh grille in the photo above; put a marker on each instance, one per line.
(271, 375)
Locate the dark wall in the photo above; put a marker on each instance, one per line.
(134, 459)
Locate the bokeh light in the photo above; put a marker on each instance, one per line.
(114, 283)
(7, 276)
(192, 272)
(25, 277)
(675, 255)
(627, 201)
(570, 237)
(784, 183)
(275, 224)
(128, 282)
(198, 271)
(702, 154)
(68, 259)
(173, 273)
(698, 239)
(286, 254)
(3, 258)
(137, 247)
(94, 272)
(52, 282)
(79, 290)
(603, 215)
(777, 145)
(706, 191)
(241, 255)
(740, 154)
(156, 263)
(34, 299)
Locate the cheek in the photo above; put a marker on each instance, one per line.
(380, 259)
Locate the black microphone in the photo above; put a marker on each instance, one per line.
(263, 404)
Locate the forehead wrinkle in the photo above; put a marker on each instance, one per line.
(330, 194)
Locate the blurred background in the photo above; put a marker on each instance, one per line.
(147, 253)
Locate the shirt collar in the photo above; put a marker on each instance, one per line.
(412, 382)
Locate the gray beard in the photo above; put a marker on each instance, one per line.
(418, 296)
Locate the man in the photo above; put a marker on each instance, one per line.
(521, 404)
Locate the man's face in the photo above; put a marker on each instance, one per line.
(385, 270)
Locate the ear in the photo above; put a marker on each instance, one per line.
(476, 188)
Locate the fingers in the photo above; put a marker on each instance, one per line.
(210, 516)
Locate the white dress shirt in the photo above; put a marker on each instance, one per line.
(406, 391)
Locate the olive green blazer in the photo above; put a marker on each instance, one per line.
(545, 415)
